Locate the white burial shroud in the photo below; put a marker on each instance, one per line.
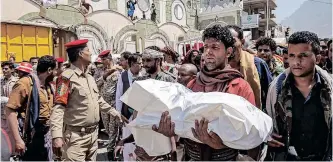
(236, 121)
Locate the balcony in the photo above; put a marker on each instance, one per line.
(259, 4)
(272, 22)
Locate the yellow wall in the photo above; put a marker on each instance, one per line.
(25, 41)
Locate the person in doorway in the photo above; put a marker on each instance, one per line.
(299, 102)
(216, 76)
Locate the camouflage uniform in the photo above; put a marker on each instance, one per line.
(108, 92)
(275, 67)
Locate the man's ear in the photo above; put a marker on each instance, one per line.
(80, 54)
(243, 41)
(49, 70)
(229, 51)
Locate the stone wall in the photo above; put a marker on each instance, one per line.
(157, 6)
(168, 10)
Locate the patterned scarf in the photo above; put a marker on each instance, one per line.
(217, 80)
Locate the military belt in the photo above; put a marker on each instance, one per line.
(85, 129)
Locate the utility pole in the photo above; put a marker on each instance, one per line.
(267, 17)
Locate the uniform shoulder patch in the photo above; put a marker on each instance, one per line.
(62, 90)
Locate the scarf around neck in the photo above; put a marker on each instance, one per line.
(217, 80)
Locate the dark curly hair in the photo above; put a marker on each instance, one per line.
(220, 33)
(7, 63)
(46, 62)
(126, 55)
(238, 29)
(306, 37)
(266, 41)
(133, 58)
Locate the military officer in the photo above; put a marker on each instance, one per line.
(75, 116)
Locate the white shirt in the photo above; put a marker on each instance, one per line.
(119, 91)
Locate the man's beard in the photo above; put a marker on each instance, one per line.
(305, 74)
(151, 70)
(213, 66)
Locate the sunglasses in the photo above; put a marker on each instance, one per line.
(5, 68)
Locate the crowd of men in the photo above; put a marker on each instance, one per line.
(54, 107)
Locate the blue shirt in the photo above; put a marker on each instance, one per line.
(265, 78)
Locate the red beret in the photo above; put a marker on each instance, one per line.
(104, 53)
(98, 60)
(76, 43)
(60, 60)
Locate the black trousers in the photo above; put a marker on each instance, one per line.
(36, 150)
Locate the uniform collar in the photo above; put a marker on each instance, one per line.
(76, 70)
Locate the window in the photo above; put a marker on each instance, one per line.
(178, 11)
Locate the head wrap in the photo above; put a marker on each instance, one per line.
(150, 53)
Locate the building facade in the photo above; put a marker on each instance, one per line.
(126, 25)
(265, 10)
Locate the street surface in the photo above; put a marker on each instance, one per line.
(102, 151)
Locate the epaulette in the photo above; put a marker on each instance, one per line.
(67, 74)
